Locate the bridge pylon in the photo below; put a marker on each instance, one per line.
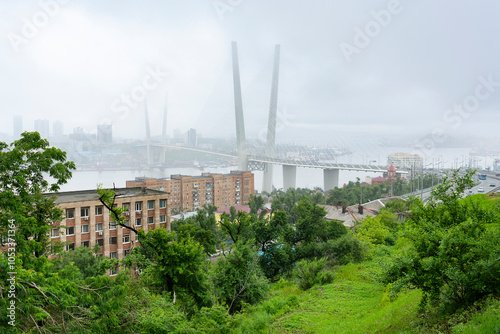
(148, 133)
(267, 181)
(238, 109)
(164, 133)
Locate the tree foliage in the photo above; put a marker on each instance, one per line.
(202, 227)
(455, 248)
(237, 278)
(177, 263)
(23, 167)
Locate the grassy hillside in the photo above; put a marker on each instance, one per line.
(354, 303)
(357, 303)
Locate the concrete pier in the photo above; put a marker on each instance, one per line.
(289, 176)
(331, 179)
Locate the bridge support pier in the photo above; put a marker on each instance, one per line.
(267, 181)
(331, 179)
(289, 176)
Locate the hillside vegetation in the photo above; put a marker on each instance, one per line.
(435, 271)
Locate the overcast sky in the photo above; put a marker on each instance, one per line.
(347, 67)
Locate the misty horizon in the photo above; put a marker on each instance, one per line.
(399, 70)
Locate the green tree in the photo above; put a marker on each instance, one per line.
(309, 222)
(455, 247)
(256, 204)
(88, 262)
(202, 227)
(172, 261)
(265, 232)
(237, 226)
(176, 263)
(23, 167)
(275, 255)
(237, 278)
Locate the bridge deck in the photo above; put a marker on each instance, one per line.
(289, 162)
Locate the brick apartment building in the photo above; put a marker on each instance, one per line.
(88, 223)
(187, 193)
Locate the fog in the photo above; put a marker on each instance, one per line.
(398, 70)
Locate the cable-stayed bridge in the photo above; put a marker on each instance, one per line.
(265, 162)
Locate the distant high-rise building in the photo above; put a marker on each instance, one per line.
(42, 126)
(18, 126)
(57, 129)
(104, 133)
(191, 138)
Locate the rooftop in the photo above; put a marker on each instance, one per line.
(244, 208)
(92, 195)
(352, 215)
(184, 215)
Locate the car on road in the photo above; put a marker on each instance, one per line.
(492, 184)
(480, 189)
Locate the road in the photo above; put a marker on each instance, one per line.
(485, 184)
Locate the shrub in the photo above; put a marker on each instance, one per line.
(310, 273)
(345, 249)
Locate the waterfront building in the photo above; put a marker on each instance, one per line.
(189, 193)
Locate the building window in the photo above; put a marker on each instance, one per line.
(98, 227)
(113, 240)
(126, 239)
(151, 205)
(151, 220)
(113, 255)
(70, 247)
(54, 232)
(70, 230)
(136, 237)
(163, 218)
(112, 225)
(84, 212)
(86, 244)
(138, 206)
(113, 271)
(100, 242)
(127, 222)
(98, 210)
(85, 228)
(163, 203)
(126, 252)
(138, 221)
(125, 207)
(70, 213)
